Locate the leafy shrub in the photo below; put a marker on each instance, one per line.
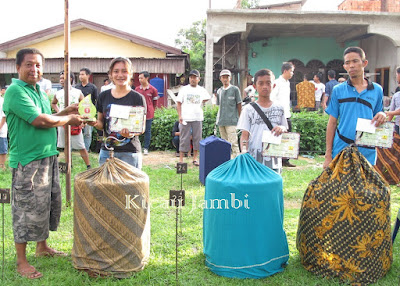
(312, 129)
(164, 120)
(310, 125)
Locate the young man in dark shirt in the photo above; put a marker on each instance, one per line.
(87, 88)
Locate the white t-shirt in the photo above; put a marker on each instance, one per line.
(319, 90)
(3, 130)
(107, 87)
(252, 122)
(250, 91)
(192, 99)
(44, 84)
(74, 95)
(281, 94)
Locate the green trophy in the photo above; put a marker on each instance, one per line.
(87, 109)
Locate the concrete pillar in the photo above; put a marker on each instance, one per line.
(208, 81)
(243, 65)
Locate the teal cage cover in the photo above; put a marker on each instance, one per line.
(243, 231)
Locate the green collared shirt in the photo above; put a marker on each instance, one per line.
(22, 105)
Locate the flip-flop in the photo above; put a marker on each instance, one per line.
(196, 163)
(34, 274)
(51, 254)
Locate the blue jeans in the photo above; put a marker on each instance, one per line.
(133, 159)
(3, 145)
(147, 134)
(87, 136)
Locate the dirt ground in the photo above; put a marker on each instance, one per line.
(155, 158)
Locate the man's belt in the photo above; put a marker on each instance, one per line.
(350, 141)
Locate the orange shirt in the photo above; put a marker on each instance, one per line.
(305, 94)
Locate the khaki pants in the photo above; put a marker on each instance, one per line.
(229, 134)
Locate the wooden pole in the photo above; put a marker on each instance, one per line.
(67, 83)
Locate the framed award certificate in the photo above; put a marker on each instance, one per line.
(132, 118)
(382, 137)
(287, 148)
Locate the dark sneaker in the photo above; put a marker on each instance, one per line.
(288, 164)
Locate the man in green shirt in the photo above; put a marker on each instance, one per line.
(36, 193)
(230, 106)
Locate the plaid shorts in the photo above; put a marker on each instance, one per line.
(36, 200)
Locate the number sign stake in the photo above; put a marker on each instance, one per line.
(4, 199)
(177, 199)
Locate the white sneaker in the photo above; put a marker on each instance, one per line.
(145, 152)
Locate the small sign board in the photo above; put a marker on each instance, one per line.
(181, 168)
(62, 167)
(5, 196)
(177, 198)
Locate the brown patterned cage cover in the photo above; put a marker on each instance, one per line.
(344, 224)
(111, 220)
(387, 161)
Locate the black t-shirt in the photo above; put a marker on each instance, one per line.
(90, 88)
(104, 103)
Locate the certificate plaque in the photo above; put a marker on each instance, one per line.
(288, 148)
(383, 136)
(134, 121)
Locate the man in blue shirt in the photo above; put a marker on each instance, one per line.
(356, 98)
(329, 88)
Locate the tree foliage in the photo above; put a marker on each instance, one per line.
(249, 4)
(192, 41)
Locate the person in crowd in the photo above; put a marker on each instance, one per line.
(45, 85)
(353, 99)
(250, 91)
(3, 137)
(109, 85)
(329, 87)
(253, 126)
(281, 95)
(175, 137)
(106, 82)
(305, 93)
(394, 109)
(87, 88)
(230, 106)
(75, 96)
(319, 90)
(189, 106)
(127, 148)
(341, 79)
(397, 79)
(33, 159)
(150, 93)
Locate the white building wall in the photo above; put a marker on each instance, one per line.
(381, 53)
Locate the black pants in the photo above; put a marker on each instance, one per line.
(289, 123)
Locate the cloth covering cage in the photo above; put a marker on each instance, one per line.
(243, 231)
(111, 220)
(213, 152)
(344, 223)
(388, 163)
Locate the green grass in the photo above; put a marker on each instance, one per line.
(161, 268)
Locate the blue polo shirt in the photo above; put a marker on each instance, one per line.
(347, 105)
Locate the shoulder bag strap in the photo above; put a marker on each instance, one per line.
(262, 115)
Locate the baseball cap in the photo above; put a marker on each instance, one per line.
(225, 72)
(194, 72)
